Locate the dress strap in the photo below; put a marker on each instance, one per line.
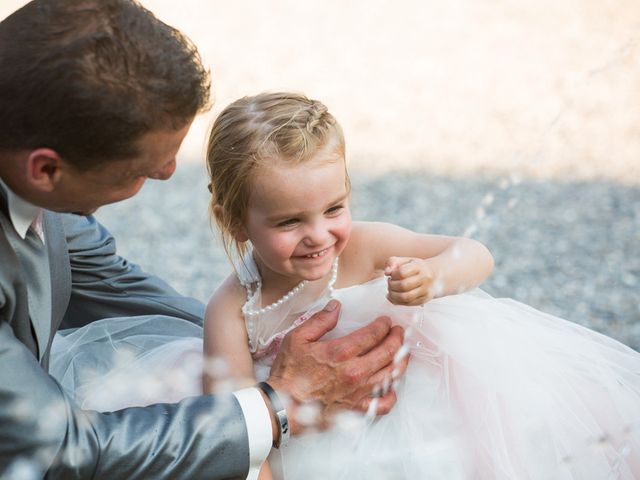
(247, 270)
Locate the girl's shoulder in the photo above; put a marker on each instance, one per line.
(373, 230)
(372, 244)
(228, 297)
(361, 260)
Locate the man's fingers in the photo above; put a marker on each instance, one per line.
(385, 377)
(385, 403)
(360, 341)
(320, 323)
(382, 355)
(379, 405)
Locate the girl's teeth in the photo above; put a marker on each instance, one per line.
(316, 255)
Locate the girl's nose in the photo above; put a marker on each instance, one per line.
(316, 234)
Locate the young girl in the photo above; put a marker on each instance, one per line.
(494, 389)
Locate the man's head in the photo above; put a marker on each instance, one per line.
(89, 80)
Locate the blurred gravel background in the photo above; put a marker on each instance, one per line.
(517, 121)
(570, 249)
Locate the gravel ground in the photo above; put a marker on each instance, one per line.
(570, 249)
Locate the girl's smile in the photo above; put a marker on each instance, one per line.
(319, 254)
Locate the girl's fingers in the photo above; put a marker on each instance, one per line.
(405, 285)
(399, 267)
(412, 267)
(413, 297)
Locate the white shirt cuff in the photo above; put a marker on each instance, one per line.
(258, 420)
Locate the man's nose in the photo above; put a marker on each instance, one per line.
(166, 171)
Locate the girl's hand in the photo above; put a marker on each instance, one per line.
(412, 281)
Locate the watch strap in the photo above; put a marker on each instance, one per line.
(280, 413)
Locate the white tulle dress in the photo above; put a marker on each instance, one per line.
(494, 389)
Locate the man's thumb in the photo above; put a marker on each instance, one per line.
(321, 322)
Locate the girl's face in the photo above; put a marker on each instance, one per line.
(298, 217)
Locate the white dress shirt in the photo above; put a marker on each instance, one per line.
(258, 420)
(23, 214)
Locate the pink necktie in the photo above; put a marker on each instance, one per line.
(38, 226)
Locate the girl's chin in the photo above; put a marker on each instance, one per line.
(318, 273)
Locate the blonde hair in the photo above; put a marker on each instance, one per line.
(253, 131)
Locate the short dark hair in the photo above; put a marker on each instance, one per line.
(88, 78)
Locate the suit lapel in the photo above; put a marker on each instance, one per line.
(23, 322)
(16, 286)
(4, 207)
(46, 285)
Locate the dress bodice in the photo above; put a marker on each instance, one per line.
(268, 325)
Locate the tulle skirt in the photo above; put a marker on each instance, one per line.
(129, 362)
(494, 390)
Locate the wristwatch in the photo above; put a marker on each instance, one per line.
(280, 412)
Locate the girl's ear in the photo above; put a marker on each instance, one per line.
(239, 233)
(218, 213)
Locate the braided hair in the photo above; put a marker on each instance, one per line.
(255, 131)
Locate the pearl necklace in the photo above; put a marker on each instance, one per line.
(287, 296)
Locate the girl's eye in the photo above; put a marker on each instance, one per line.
(287, 223)
(334, 210)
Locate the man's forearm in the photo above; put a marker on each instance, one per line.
(201, 437)
(106, 285)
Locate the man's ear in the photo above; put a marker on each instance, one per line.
(44, 167)
(239, 233)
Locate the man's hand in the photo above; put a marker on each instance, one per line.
(342, 373)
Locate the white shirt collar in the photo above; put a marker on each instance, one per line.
(21, 212)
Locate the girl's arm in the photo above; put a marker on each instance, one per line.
(226, 344)
(419, 266)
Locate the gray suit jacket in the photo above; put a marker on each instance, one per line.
(201, 437)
